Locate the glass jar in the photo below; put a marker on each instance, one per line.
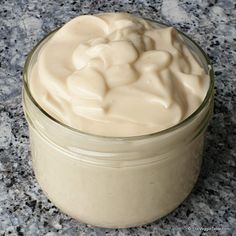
(116, 182)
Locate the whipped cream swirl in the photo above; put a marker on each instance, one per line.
(115, 74)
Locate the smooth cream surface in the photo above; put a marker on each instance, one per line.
(115, 74)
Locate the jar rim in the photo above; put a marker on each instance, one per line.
(125, 138)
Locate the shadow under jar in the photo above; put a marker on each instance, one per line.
(116, 182)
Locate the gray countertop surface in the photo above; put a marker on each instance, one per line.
(211, 207)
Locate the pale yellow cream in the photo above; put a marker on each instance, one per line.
(115, 74)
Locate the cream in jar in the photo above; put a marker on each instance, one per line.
(117, 108)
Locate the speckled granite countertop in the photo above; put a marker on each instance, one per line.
(211, 207)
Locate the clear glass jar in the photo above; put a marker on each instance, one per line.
(116, 182)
